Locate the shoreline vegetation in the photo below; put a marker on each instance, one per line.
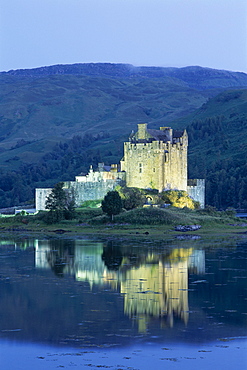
(149, 223)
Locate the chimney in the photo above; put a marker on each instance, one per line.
(142, 131)
(168, 132)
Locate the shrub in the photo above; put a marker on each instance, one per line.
(208, 210)
(230, 212)
(131, 197)
(179, 199)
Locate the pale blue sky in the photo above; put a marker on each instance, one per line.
(175, 33)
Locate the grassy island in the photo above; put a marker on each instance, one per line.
(143, 222)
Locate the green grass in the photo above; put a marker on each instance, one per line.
(90, 204)
(151, 223)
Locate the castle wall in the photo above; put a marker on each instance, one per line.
(41, 197)
(155, 165)
(175, 167)
(90, 190)
(82, 191)
(196, 190)
(141, 164)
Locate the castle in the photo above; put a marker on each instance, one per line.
(153, 159)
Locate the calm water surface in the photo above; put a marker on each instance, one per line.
(102, 302)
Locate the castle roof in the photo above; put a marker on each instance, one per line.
(158, 135)
(177, 133)
(165, 134)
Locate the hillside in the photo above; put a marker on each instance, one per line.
(56, 121)
(58, 107)
(194, 76)
(218, 148)
(57, 102)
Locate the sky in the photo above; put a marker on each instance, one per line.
(166, 33)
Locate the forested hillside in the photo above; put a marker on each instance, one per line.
(56, 121)
(218, 148)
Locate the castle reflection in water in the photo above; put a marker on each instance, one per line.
(154, 284)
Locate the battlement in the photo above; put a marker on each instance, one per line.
(164, 134)
(147, 145)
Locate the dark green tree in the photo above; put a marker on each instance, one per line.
(112, 204)
(69, 211)
(60, 204)
(131, 197)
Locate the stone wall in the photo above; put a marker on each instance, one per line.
(82, 191)
(196, 190)
(40, 198)
(157, 164)
(90, 190)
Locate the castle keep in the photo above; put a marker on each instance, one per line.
(156, 159)
(153, 159)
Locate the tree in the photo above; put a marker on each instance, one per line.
(131, 197)
(60, 204)
(111, 204)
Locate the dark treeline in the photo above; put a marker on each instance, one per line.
(61, 164)
(210, 129)
(211, 156)
(226, 182)
(227, 186)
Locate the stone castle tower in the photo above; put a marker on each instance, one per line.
(156, 159)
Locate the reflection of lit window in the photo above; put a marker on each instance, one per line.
(140, 167)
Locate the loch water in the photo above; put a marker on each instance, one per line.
(122, 304)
